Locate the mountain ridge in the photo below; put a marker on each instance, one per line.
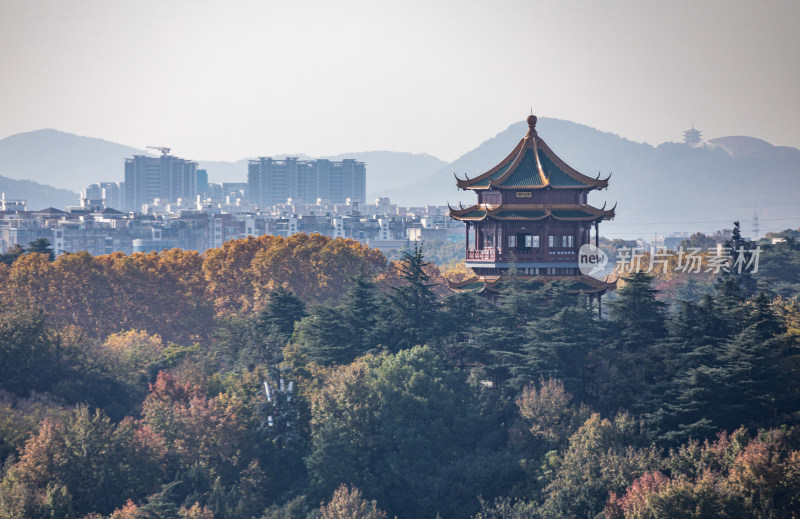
(69, 161)
(38, 196)
(672, 184)
(660, 189)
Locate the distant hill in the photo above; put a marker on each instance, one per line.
(72, 162)
(672, 187)
(38, 195)
(584, 148)
(665, 188)
(62, 159)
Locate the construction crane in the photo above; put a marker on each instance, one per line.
(162, 149)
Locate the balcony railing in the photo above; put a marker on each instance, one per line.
(484, 255)
(553, 256)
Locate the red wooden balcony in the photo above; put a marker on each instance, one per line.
(553, 256)
(481, 255)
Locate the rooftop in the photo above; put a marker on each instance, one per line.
(532, 165)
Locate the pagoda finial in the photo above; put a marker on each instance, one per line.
(532, 124)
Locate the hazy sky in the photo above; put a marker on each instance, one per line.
(224, 80)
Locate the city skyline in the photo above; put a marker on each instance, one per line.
(226, 81)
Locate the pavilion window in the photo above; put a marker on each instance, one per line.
(488, 241)
(561, 242)
(531, 241)
(527, 241)
(512, 241)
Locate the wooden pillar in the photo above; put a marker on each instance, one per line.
(545, 241)
(504, 243)
(600, 305)
(597, 234)
(496, 239)
(466, 241)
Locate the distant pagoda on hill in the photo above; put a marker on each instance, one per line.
(692, 136)
(532, 213)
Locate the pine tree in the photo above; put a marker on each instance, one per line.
(42, 246)
(729, 379)
(463, 315)
(413, 307)
(561, 346)
(638, 315)
(162, 505)
(732, 282)
(283, 309)
(624, 366)
(337, 335)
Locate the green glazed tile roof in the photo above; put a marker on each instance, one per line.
(554, 174)
(579, 285)
(535, 166)
(571, 213)
(526, 173)
(480, 213)
(519, 214)
(499, 173)
(477, 285)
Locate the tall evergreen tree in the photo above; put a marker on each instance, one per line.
(639, 317)
(561, 347)
(42, 246)
(463, 315)
(779, 269)
(413, 306)
(283, 309)
(737, 281)
(732, 379)
(504, 335)
(337, 335)
(624, 366)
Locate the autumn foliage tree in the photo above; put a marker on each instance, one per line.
(734, 476)
(84, 464)
(348, 503)
(178, 294)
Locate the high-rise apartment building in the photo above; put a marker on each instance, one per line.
(272, 181)
(107, 194)
(166, 177)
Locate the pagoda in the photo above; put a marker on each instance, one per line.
(532, 215)
(692, 137)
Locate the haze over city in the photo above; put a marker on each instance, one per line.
(222, 81)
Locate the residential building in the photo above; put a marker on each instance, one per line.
(167, 178)
(272, 181)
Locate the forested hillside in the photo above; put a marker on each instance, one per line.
(307, 377)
